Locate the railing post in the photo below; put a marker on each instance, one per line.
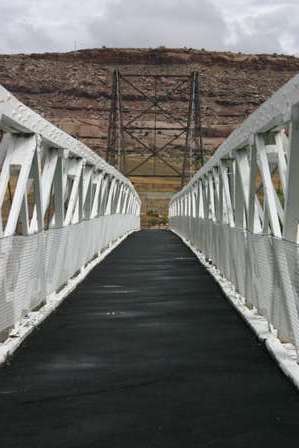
(291, 211)
(59, 189)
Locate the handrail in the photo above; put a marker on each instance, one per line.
(15, 117)
(30, 141)
(62, 208)
(241, 210)
(273, 113)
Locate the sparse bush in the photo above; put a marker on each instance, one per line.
(153, 221)
(164, 220)
(152, 213)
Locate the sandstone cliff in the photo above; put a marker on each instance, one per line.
(73, 89)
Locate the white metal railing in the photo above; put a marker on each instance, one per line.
(61, 206)
(241, 210)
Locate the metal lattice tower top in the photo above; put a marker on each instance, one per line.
(155, 125)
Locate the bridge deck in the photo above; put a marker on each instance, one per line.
(146, 352)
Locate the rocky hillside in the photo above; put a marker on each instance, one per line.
(73, 89)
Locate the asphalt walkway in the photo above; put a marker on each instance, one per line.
(145, 353)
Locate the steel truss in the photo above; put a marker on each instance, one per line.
(159, 102)
(241, 209)
(61, 206)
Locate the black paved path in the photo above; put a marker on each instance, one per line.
(146, 353)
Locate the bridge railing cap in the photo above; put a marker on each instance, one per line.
(17, 118)
(276, 112)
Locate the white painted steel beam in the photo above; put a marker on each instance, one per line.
(248, 210)
(61, 205)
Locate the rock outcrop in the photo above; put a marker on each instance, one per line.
(73, 89)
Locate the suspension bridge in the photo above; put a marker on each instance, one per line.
(143, 345)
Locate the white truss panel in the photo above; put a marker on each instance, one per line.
(61, 205)
(254, 240)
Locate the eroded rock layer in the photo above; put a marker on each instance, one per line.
(73, 90)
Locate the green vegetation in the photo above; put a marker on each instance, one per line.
(155, 219)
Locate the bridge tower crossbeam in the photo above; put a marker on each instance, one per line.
(141, 132)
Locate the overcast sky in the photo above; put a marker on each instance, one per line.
(61, 25)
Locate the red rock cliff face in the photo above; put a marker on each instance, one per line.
(73, 89)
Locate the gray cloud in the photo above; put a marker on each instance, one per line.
(268, 26)
(250, 25)
(142, 23)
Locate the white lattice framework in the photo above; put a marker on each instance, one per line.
(61, 206)
(241, 210)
